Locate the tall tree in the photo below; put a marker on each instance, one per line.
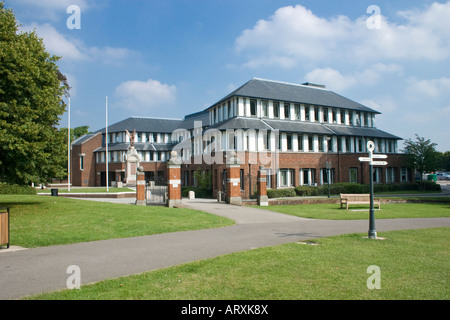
(422, 155)
(31, 106)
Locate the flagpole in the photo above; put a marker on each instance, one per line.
(68, 151)
(106, 141)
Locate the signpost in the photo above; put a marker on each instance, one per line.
(371, 148)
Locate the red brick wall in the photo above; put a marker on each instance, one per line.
(86, 177)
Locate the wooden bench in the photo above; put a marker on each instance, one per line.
(349, 199)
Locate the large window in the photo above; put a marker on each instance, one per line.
(353, 175)
(376, 175)
(390, 175)
(308, 177)
(327, 174)
(403, 175)
(286, 178)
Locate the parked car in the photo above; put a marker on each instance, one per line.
(446, 176)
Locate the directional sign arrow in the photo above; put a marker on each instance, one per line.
(379, 163)
(379, 156)
(364, 159)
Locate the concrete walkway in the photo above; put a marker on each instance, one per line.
(32, 271)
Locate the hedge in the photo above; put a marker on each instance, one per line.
(199, 192)
(16, 189)
(347, 187)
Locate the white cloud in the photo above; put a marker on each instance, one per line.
(334, 80)
(51, 9)
(429, 88)
(294, 35)
(138, 95)
(74, 49)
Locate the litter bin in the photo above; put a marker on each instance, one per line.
(432, 177)
(54, 192)
(4, 227)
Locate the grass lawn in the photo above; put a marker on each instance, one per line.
(43, 220)
(414, 265)
(388, 211)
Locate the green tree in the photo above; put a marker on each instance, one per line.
(80, 131)
(422, 155)
(31, 105)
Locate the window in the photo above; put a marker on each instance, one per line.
(330, 144)
(353, 175)
(309, 176)
(230, 110)
(266, 140)
(253, 107)
(390, 175)
(316, 114)
(403, 175)
(347, 144)
(264, 108)
(241, 179)
(269, 178)
(289, 141)
(300, 142)
(297, 111)
(287, 111)
(334, 116)
(224, 116)
(310, 143)
(307, 113)
(325, 115)
(286, 177)
(366, 119)
(276, 109)
(81, 162)
(376, 175)
(325, 174)
(321, 143)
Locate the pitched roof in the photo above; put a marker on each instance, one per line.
(295, 126)
(295, 93)
(144, 125)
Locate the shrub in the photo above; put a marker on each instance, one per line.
(281, 193)
(199, 192)
(16, 189)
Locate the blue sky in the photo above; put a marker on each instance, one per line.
(169, 58)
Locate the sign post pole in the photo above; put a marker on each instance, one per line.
(371, 147)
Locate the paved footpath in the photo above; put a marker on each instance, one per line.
(32, 271)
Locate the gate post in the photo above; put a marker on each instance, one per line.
(234, 181)
(174, 181)
(263, 200)
(140, 187)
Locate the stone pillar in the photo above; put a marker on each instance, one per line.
(174, 181)
(132, 163)
(140, 188)
(263, 199)
(234, 181)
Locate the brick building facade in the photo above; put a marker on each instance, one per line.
(302, 134)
